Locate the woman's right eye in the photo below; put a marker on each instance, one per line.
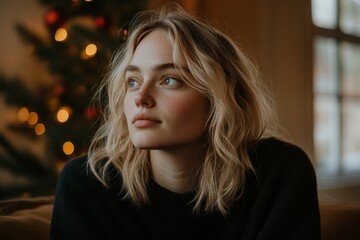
(132, 83)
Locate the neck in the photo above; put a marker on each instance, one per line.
(176, 169)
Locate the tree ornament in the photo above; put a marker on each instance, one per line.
(91, 113)
(102, 22)
(54, 18)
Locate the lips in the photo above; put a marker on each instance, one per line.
(145, 121)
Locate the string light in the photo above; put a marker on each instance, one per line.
(61, 34)
(68, 148)
(33, 118)
(63, 114)
(90, 50)
(23, 114)
(39, 129)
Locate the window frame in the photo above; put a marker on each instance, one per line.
(341, 177)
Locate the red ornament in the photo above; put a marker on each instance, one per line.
(91, 113)
(54, 18)
(102, 22)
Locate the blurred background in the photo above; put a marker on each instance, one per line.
(53, 55)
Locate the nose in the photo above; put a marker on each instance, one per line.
(144, 98)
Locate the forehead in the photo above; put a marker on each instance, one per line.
(155, 47)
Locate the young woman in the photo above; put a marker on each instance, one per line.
(184, 150)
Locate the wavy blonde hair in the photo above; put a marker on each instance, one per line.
(240, 111)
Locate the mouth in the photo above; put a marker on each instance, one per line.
(143, 121)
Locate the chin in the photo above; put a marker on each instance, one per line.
(149, 145)
(145, 145)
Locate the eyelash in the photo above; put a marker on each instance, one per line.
(131, 83)
(167, 78)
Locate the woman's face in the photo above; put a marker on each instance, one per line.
(162, 111)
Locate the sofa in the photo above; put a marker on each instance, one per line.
(26, 218)
(29, 218)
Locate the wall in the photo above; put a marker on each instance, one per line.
(286, 41)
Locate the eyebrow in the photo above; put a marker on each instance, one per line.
(160, 67)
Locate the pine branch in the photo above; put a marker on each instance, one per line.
(22, 161)
(28, 36)
(16, 93)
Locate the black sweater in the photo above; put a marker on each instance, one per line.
(280, 202)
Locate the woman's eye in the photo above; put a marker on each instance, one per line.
(132, 83)
(169, 81)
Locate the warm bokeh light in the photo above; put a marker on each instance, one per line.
(63, 114)
(68, 148)
(39, 129)
(33, 118)
(52, 17)
(90, 50)
(61, 34)
(23, 114)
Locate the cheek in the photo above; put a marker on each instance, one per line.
(127, 107)
(192, 110)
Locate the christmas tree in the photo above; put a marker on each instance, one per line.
(82, 34)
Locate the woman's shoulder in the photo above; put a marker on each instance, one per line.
(277, 149)
(276, 144)
(273, 154)
(78, 172)
(75, 168)
(75, 173)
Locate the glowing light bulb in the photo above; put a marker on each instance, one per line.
(39, 129)
(63, 114)
(68, 148)
(23, 114)
(33, 118)
(61, 34)
(90, 50)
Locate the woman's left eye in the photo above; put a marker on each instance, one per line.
(170, 81)
(132, 83)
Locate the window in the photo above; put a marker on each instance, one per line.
(336, 85)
